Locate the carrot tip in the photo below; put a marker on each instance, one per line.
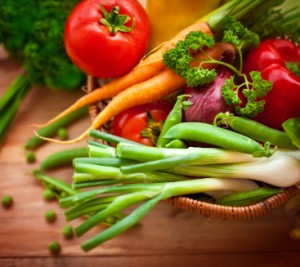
(72, 141)
(39, 125)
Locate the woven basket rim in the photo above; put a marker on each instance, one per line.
(207, 209)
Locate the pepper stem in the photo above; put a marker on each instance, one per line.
(115, 21)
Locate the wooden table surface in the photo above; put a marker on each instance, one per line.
(165, 237)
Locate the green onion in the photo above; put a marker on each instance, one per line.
(130, 195)
(248, 197)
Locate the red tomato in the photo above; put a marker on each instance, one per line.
(133, 123)
(107, 38)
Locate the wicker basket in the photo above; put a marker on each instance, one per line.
(208, 209)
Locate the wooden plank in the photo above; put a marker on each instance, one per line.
(268, 259)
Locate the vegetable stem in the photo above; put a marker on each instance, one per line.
(10, 103)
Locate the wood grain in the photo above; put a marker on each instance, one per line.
(166, 237)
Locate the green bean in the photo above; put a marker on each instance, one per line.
(174, 117)
(110, 138)
(63, 158)
(292, 128)
(254, 130)
(213, 135)
(52, 129)
(176, 143)
(58, 186)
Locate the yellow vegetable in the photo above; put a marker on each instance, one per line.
(168, 17)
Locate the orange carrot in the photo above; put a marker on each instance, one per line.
(145, 70)
(164, 83)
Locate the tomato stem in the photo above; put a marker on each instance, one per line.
(115, 21)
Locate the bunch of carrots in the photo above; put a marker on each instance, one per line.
(151, 80)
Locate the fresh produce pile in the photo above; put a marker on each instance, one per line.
(217, 110)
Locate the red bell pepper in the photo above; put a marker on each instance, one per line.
(283, 101)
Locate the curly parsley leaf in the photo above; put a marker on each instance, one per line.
(252, 90)
(237, 34)
(198, 77)
(179, 58)
(229, 92)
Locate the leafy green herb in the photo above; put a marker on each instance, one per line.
(252, 91)
(180, 57)
(237, 34)
(294, 67)
(32, 31)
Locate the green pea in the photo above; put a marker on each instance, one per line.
(50, 216)
(30, 157)
(54, 247)
(48, 195)
(7, 201)
(63, 134)
(68, 231)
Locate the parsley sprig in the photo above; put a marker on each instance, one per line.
(252, 88)
(179, 59)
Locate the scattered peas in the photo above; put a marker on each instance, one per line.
(50, 216)
(48, 195)
(63, 133)
(68, 231)
(54, 247)
(30, 157)
(7, 201)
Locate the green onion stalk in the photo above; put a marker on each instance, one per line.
(114, 199)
